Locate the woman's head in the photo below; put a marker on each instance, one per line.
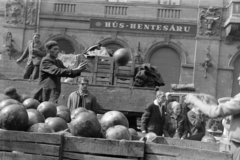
(176, 108)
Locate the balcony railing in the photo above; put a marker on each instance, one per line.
(169, 13)
(115, 10)
(64, 7)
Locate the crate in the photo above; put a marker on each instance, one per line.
(121, 80)
(127, 70)
(103, 78)
(76, 148)
(29, 146)
(103, 65)
(176, 149)
(87, 75)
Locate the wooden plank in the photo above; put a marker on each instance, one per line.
(77, 156)
(17, 156)
(103, 74)
(104, 71)
(29, 137)
(158, 157)
(127, 73)
(187, 143)
(104, 67)
(126, 81)
(33, 148)
(103, 79)
(103, 146)
(164, 149)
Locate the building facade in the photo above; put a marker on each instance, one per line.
(189, 41)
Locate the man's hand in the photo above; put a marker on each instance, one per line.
(190, 98)
(82, 66)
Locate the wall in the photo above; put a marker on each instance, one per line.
(75, 26)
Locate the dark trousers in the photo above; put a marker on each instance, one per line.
(31, 71)
(46, 94)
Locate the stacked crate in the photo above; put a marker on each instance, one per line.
(177, 149)
(103, 71)
(123, 75)
(16, 145)
(76, 148)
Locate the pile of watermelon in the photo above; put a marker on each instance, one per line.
(30, 115)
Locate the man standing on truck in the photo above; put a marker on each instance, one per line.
(35, 51)
(51, 71)
(154, 116)
(82, 98)
(230, 108)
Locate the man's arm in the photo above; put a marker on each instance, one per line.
(165, 128)
(94, 105)
(145, 118)
(70, 103)
(25, 54)
(40, 51)
(231, 107)
(49, 67)
(185, 127)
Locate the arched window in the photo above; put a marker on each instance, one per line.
(65, 46)
(168, 63)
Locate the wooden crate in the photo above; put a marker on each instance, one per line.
(122, 80)
(127, 70)
(29, 146)
(76, 148)
(103, 65)
(176, 149)
(87, 75)
(103, 78)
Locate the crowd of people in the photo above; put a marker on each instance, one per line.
(163, 116)
(198, 116)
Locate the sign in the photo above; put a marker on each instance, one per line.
(143, 26)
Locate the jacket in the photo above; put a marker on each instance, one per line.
(153, 118)
(34, 56)
(88, 101)
(51, 71)
(196, 123)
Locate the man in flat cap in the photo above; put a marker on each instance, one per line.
(82, 98)
(51, 71)
(35, 51)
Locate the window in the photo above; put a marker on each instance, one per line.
(170, 2)
(236, 8)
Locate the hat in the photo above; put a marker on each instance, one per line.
(224, 99)
(10, 90)
(83, 80)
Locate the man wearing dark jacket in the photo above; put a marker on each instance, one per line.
(35, 51)
(154, 115)
(51, 71)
